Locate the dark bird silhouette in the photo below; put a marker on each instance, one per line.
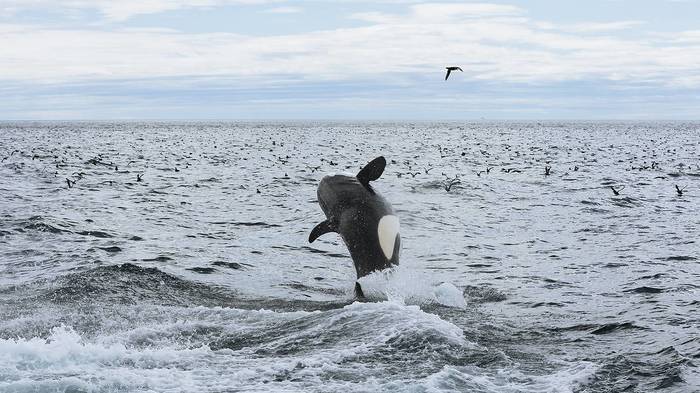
(139, 176)
(70, 182)
(679, 190)
(546, 170)
(449, 183)
(450, 69)
(617, 191)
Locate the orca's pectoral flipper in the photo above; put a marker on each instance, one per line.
(372, 171)
(321, 229)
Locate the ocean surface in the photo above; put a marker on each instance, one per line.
(199, 276)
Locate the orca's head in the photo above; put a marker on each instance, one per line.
(335, 190)
(339, 189)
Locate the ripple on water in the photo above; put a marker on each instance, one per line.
(529, 253)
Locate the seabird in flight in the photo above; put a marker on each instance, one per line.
(450, 69)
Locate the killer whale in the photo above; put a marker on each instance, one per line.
(362, 217)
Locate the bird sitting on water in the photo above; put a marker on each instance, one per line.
(450, 69)
(616, 191)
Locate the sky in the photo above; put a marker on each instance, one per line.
(349, 60)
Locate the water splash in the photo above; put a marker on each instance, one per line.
(410, 286)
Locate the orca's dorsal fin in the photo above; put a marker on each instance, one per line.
(371, 171)
(321, 229)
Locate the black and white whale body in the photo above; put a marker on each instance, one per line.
(364, 219)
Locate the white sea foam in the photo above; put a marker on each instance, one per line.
(333, 343)
(405, 320)
(412, 287)
(476, 379)
(691, 375)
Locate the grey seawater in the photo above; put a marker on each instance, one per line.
(200, 278)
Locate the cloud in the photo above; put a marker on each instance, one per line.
(284, 10)
(120, 10)
(684, 37)
(492, 42)
(243, 98)
(592, 27)
(440, 13)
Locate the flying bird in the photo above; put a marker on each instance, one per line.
(450, 69)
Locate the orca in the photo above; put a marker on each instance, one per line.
(362, 217)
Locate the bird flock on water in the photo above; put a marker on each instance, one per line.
(61, 162)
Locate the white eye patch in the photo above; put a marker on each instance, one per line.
(387, 230)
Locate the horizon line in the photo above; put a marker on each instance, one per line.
(446, 120)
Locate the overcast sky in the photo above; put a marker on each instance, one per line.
(276, 59)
